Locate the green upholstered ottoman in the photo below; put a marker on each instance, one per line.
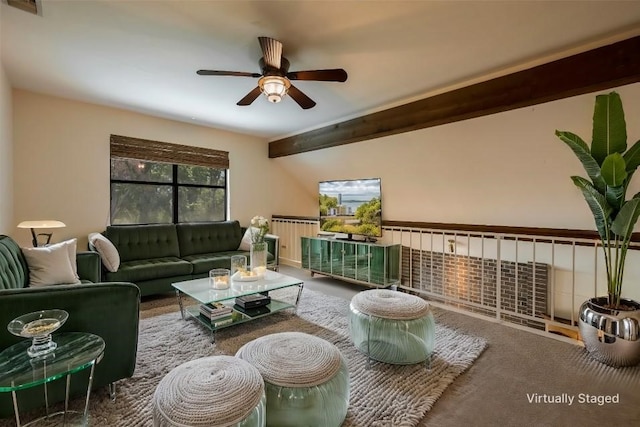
(306, 379)
(211, 391)
(392, 327)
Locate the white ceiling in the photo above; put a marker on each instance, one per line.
(143, 55)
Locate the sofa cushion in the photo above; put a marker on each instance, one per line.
(52, 265)
(148, 269)
(202, 263)
(13, 267)
(108, 252)
(143, 242)
(208, 237)
(247, 239)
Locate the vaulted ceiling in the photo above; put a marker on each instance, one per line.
(143, 55)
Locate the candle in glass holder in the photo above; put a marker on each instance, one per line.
(238, 264)
(219, 278)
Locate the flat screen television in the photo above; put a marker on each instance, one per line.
(351, 207)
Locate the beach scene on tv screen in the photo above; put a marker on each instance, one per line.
(351, 207)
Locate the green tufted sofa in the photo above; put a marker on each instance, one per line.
(109, 310)
(155, 256)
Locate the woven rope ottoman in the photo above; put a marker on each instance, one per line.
(211, 391)
(392, 327)
(306, 379)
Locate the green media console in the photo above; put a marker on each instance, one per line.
(354, 261)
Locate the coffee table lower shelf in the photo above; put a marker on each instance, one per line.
(237, 317)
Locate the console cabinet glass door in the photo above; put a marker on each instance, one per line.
(325, 256)
(316, 254)
(384, 265)
(305, 245)
(337, 258)
(368, 263)
(350, 261)
(363, 257)
(311, 254)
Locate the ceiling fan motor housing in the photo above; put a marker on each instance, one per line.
(267, 70)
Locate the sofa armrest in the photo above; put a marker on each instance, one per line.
(109, 310)
(89, 266)
(273, 243)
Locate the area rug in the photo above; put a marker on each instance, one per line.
(383, 395)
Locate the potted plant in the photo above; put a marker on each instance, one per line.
(609, 325)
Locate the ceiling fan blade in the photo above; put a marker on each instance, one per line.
(271, 51)
(334, 75)
(227, 73)
(303, 100)
(250, 97)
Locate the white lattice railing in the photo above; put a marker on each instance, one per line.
(290, 230)
(537, 282)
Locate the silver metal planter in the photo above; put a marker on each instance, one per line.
(611, 336)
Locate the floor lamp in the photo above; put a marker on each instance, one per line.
(33, 225)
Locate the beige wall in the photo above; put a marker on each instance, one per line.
(503, 169)
(6, 156)
(61, 150)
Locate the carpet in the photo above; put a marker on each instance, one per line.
(383, 395)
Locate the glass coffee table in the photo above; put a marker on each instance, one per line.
(202, 291)
(75, 352)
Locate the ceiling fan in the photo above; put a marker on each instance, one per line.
(275, 80)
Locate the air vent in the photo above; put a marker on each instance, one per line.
(30, 6)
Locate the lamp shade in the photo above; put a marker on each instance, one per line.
(45, 223)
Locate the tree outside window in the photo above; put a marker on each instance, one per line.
(144, 192)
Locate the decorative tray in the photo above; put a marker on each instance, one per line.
(237, 277)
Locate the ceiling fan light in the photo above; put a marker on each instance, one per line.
(274, 97)
(274, 87)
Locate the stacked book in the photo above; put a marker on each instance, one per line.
(217, 313)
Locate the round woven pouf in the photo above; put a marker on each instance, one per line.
(211, 391)
(306, 379)
(391, 326)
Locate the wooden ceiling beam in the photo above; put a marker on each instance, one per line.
(606, 67)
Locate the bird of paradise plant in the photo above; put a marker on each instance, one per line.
(610, 167)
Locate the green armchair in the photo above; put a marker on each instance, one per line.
(109, 310)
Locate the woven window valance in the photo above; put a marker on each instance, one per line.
(164, 152)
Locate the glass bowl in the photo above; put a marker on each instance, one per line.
(39, 326)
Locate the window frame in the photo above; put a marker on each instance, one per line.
(158, 152)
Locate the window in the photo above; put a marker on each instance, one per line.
(147, 189)
(31, 6)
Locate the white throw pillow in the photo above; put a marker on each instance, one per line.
(71, 245)
(245, 244)
(108, 252)
(53, 264)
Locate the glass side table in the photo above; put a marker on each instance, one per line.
(76, 351)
